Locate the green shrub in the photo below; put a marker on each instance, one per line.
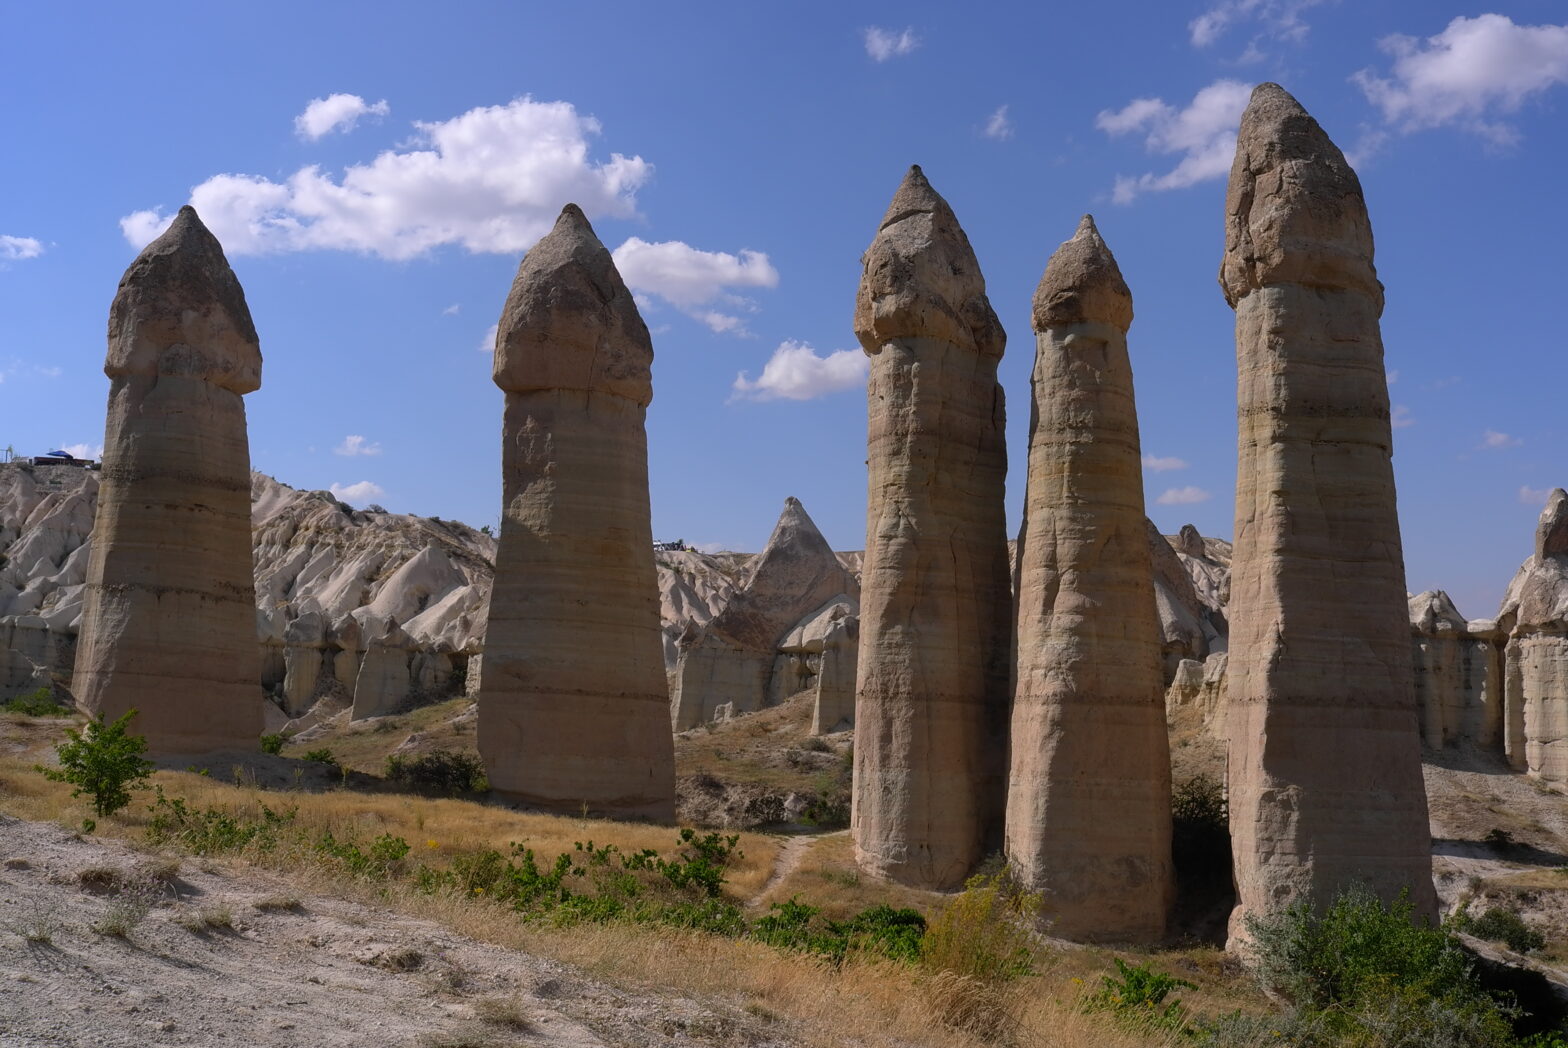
(209, 831)
(103, 761)
(1136, 995)
(1200, 831)
(984, 932)
(322, 756)
(441, 771)
(880, 930)
(382, 859)
(38, 703)
(1502, 925)
(272, 743)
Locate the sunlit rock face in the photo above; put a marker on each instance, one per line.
(1325, 783)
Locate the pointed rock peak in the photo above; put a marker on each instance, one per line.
(1433, 610)
(1082, 284)
(1551, 535)
(569, 320)
(796, 528)
(181, 310)
(1188, 541)
(921, 278)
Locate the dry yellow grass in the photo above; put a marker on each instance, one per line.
(827, 877)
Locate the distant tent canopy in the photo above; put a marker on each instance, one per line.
(61, 454)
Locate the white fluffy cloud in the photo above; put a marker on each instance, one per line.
(1157, 464)
(95, 451)
(335, 113)
(998, 125)
(1534, 496)
(882, 44)
(363, 491)
(18, 248)
(1474, 70)
(1276, 19)
(695, 281)
(1203, 133)
(492, 179)
(795, 372)
(354, 444)
(1183, 496)
(1491, 440)
(487, 341)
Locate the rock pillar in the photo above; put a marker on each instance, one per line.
(169, 615)
(574, 708)
(1089, 790)
(933, 668)
(1325, 783)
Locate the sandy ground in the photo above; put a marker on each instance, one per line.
(235, 957)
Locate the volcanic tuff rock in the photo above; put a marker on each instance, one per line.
(1088, 801)
(1325, 780)
(168, 626)
(1535, 616)
(573, 704)
(935, 623)
(735, 658)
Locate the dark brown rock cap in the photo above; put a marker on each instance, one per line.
(921, 278)
(1083, 285)
(180, 310)
(570, 322)
(1294, 211)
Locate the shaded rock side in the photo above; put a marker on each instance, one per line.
(732, 659)
(933, 668)
(1089, 801)
(1325, 782)
(169, 623)
(1458, 675)
(573, 704)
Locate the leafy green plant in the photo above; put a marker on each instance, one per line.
(210, 830)
(985, 931)
(441, 771)
(103, 761)
(1136, 995)
(382, 859)
(322, 756)
(272, 743)
(1499, 924)
(38, 703)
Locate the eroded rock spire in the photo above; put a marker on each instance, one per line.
(1088, 810)
(573, 708)
(1324, 766)
(935, 624)
(169, 619)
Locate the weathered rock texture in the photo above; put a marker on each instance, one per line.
(1089, 790)
(742, 656)
(1325, 783)
(1458, 674)
(169, 626)
(1535, 616)
(834, 706)
(573, 704)
(935, 622)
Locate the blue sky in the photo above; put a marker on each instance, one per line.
(376, 172)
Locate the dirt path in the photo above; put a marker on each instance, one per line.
(221, 957)
(791, 852)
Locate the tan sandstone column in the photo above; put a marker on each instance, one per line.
(169, 617)
(1089, 791)
(935, 611)
(573, 706)
(1325, 756)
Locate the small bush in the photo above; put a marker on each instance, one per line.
(206, 919)
(38, 703)
(323, 756)
(272, 743)
(1200, 831)
(441, 771)
(1502, 925)
(103, 761)
(209, 831)
(985, 932)
(382, 859)
(1136, 995)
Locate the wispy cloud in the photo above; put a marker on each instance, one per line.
(1183, 496)
(795, 372)
(1400, 417)
(15, 249)
(1203, 133)
(487, 343)
(85, 451)
(1468, 76)
(492, 179)
(363, 491)
(1534, 496)
(998, 126)
(335, 113)
(1491, 440)
(1273, 20)
(696, 282)
(354, 444)
(1159, 464)
(452, 310)
(882, 44)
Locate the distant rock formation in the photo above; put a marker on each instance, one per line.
(1458, 674)
(1089, 790)
(573, 702)
(833, 708)
(1535, 617)
(742, 656)
(168, 624)
(935, 624)
(1325, 784)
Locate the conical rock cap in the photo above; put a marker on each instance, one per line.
(1082, 284)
